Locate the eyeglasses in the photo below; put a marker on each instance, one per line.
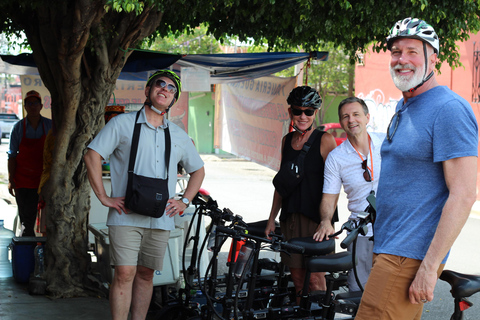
(298, 112)
(170, 87)
(392, 127)
(366, 173)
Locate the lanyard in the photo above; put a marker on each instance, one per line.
(371, 156)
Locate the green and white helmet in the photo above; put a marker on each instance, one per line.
(414, 28)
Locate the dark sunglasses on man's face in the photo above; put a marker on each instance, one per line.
(162, 83)
(298, 112)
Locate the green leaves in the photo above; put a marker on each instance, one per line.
(125, 5)
(354, 24)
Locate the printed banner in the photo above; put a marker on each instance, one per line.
(251, 117)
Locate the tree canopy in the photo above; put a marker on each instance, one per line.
(80, 47)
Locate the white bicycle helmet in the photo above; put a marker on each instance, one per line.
(415, 29)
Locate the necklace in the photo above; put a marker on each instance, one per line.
(299, 141)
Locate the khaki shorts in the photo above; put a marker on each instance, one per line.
(296, 225)
(132, 246)
(386, 292)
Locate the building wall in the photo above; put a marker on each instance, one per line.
(374, 84)
(11, 99)
(201, 106)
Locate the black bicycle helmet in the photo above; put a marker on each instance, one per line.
(304, 96)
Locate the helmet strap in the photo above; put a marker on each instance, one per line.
(149, 103)
(158, 111)
(425, 79)
(300, 131)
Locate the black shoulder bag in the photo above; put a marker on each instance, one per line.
(291, 173)
(146, 196)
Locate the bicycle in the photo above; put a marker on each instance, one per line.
(185, 302)
(463, 286)
(336, 265)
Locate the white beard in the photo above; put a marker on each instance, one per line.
(405, 83)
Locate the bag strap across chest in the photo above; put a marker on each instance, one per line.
(306, 146)
(134, 148)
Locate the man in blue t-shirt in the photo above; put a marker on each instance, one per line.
(428, 182)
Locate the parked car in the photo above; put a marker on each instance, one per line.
(7, 121)
(336, 130)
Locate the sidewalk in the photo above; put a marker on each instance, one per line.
(17, 304)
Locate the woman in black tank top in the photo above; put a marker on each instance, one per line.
(300, 213)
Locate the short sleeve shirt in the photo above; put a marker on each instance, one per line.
(114, 142)
(435, 126)
(344, 167)
(16, 135)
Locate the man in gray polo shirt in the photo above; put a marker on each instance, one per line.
(138, 242)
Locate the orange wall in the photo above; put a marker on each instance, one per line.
(374, 84)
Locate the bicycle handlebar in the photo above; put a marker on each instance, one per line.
(349, 238)
(226, 230)
(292, 248)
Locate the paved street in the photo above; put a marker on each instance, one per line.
(246, 189)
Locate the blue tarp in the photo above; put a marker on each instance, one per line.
(241, 66)
(222, 67)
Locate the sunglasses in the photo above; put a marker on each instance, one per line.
(392, 127)
(366, 173)
(298, 112)
(170, 87)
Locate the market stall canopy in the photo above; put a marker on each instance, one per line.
(241, 66)
(222, 67)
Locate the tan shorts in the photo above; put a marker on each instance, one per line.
(296, 225)
(132, 246)
(386, 292)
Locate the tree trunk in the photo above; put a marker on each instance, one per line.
(79, 51)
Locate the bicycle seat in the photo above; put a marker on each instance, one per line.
(258, 228)
(332, 263)
(463, 285)
(312, 247)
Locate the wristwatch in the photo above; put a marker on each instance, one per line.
(186, 202)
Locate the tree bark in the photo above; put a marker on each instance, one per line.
(79, 51)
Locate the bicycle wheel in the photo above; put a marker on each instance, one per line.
(175, 312)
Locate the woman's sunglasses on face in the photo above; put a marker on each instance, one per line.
(162, 83)
(298, 112)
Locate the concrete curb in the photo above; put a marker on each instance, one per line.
(220, 157)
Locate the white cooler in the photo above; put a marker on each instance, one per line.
(171, 264)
